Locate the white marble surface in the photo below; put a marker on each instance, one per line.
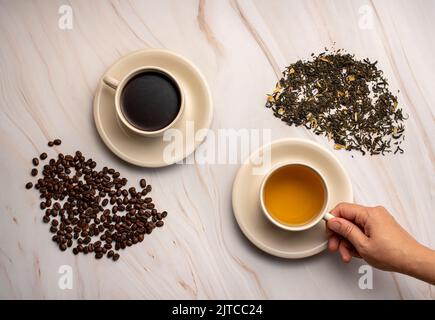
(47, 82)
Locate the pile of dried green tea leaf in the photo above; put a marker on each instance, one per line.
(345, 99)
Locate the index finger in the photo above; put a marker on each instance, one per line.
(351, 211)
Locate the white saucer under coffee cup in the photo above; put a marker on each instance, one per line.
(119, 85)
(143, 150)
(322, 214)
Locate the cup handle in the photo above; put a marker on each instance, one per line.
(111, 82)
(328, 216)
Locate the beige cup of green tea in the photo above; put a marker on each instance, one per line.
(294, 196)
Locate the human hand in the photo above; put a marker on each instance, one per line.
(373, 234)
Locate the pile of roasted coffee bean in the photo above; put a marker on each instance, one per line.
(92, 211)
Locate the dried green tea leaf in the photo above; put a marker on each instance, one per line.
(346, 99)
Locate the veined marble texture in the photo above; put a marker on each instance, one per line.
(47, 81)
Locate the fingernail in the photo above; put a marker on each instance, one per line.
(334, 225)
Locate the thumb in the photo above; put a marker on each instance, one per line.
(349, 231)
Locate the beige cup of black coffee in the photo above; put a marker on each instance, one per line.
(148, 100)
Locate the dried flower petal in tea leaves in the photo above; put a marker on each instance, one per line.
(345, 99)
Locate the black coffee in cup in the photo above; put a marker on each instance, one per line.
(150, 100)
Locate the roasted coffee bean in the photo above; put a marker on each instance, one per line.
(50, 143)
(34, 172)
(57, 142)
(82, 189)
(35, 161)
(159, 223)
